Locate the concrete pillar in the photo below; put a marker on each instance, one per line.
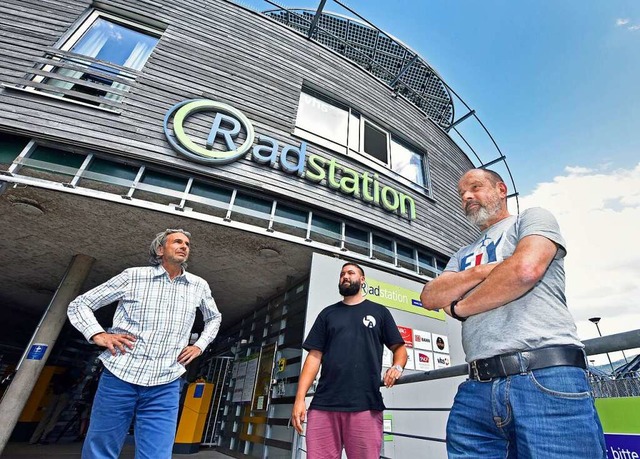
(29, 369)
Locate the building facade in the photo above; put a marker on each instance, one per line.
(270, 136)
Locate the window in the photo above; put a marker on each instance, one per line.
(99, 61)
(375, 142)
(408, 163)
(339, 128)
(323, 119)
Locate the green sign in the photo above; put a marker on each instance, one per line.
(395, 297)
(621, 424)
(228, 123)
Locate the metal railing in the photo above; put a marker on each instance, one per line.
(82, 79)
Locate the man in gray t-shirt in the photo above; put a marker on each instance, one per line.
(527, 393)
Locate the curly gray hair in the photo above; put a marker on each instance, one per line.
(159, 241)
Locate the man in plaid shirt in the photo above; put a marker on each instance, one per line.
(146, 349)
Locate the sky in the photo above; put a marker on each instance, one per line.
(556, 83)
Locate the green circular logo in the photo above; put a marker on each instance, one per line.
(180, 141)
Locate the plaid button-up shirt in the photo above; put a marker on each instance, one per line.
(158, 311)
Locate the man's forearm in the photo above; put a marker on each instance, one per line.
(83, 319)
(512, 278)
(209, 333)
(308, 375)
(449, 286)
(400, 355)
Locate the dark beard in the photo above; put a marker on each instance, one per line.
(349, 289)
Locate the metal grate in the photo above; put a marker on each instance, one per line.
(379, 54)
(604, 386)
(219, 373)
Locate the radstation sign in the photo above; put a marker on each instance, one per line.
(227, 125)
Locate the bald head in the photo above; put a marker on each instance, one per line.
(490, 175)
(484, 197)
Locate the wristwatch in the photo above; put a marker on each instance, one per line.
(398, 367)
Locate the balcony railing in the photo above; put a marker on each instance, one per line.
(83, 79)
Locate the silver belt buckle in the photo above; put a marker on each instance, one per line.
(476, 373)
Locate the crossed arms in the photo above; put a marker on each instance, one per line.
(491, 285)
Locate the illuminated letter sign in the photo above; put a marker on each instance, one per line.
(181, 142)
(227, 125)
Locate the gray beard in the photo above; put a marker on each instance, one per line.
(480, 218)
(484, 214)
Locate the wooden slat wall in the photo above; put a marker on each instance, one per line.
(217, 49)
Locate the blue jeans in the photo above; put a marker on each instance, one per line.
(547, 414)
(114, 406)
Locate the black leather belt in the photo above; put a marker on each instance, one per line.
(514, 363)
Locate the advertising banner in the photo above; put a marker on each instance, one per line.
(392, 296)
(621, 424)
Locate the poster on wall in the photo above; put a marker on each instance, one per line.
(239, 385)
(440, 343)
(442, 361)
(407, 335)
(396, 297)
(621, 424)
(422, 340)
(410, 360)
(260, 401)
(424, 360)
(250, 379)
(387, 357)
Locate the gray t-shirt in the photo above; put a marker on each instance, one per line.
(540, 317)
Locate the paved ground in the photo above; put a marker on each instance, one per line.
(72, 450)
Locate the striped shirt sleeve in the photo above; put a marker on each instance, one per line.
(212, 318)
(81, 310)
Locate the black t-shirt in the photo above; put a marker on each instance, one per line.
(350, 338)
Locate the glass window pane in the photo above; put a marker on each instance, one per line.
(290, 220)
(354, 132)
(251, 210)
(106, 40)
(109, 41)
(52, 164)
(407, 163)
(383, 249)
(325, 231)
(356, 240)
(208, 199)
(160, 188)
(163, 180)
(322, 118)
(10, 147)
(375, 142)
(427, 263)
(406, 257)
(109, 176)
(104, 167)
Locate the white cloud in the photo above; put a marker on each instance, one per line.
(599, 215)
(621, 22)
(577, 170)
(634, 27)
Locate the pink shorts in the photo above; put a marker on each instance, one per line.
(360, 433)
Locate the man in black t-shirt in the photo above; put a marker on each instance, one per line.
(347, 339)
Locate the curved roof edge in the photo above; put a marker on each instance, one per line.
(403, 70)
(380, 54)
